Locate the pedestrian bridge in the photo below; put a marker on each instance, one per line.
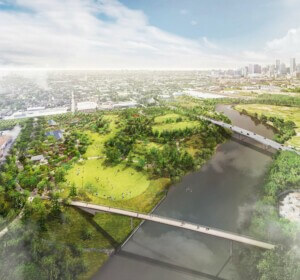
(261, 139)
(175, 223)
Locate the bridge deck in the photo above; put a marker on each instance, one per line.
(177, 223)
(252, 135)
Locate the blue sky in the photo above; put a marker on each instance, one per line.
(147, 33)
(224, 21)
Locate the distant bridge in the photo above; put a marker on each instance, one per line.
(261, 139)
(92, 208)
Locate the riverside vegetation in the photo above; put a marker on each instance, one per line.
(282, 112)
(283, 262)
(143, 150)
(284, 174)
(285, 119)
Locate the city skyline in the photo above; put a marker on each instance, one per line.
(111, 34)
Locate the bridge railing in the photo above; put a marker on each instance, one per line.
(198, 226)
(164, 220)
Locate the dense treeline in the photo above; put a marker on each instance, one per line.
(26, 255)
(20, 175)
(95, 121)
(284, 174)
(135, 127)
(276, 99)
(270, 99)
(296, 89)
(9, 124)
(172, 160)
(28, 251)
(169, 162)
(283, 262)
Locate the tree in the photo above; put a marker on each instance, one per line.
(85, 233)
(73, 191)
(60, 175)
(55, 204)
(140, 164)
(113, 155)
(278, 265)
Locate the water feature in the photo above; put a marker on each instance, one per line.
(220, 195)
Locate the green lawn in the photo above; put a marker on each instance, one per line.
(111, 182)
(161, 119)
(117, 186)
(284, 112)
(174, 126)
(98, 140)
(96, 148)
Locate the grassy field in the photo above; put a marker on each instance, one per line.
(161, 125)
(284, 112)
(108, 182)
(113, 182)
(118, 186)
(174, 126)
(164, 118)
(98, 140)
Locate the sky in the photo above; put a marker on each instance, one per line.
(147, 34)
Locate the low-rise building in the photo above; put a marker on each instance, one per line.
(52, 122)
(39, 158)
(57, 134)
(125, 104)
(87, 106)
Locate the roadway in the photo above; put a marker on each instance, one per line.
(14, 133)
(175, 223)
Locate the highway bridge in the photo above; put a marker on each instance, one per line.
(92, 208)
(261, 139)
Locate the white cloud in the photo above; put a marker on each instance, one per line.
(73, 33)
(209, 44)
(280, 48)
(288, 44)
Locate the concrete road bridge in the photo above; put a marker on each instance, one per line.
(92, 208)
(261, 139)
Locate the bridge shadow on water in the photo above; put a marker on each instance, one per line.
(170, 266)
(253, 146)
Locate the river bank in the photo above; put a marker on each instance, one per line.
(282, 263)
(271, 111)
(221, 194)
